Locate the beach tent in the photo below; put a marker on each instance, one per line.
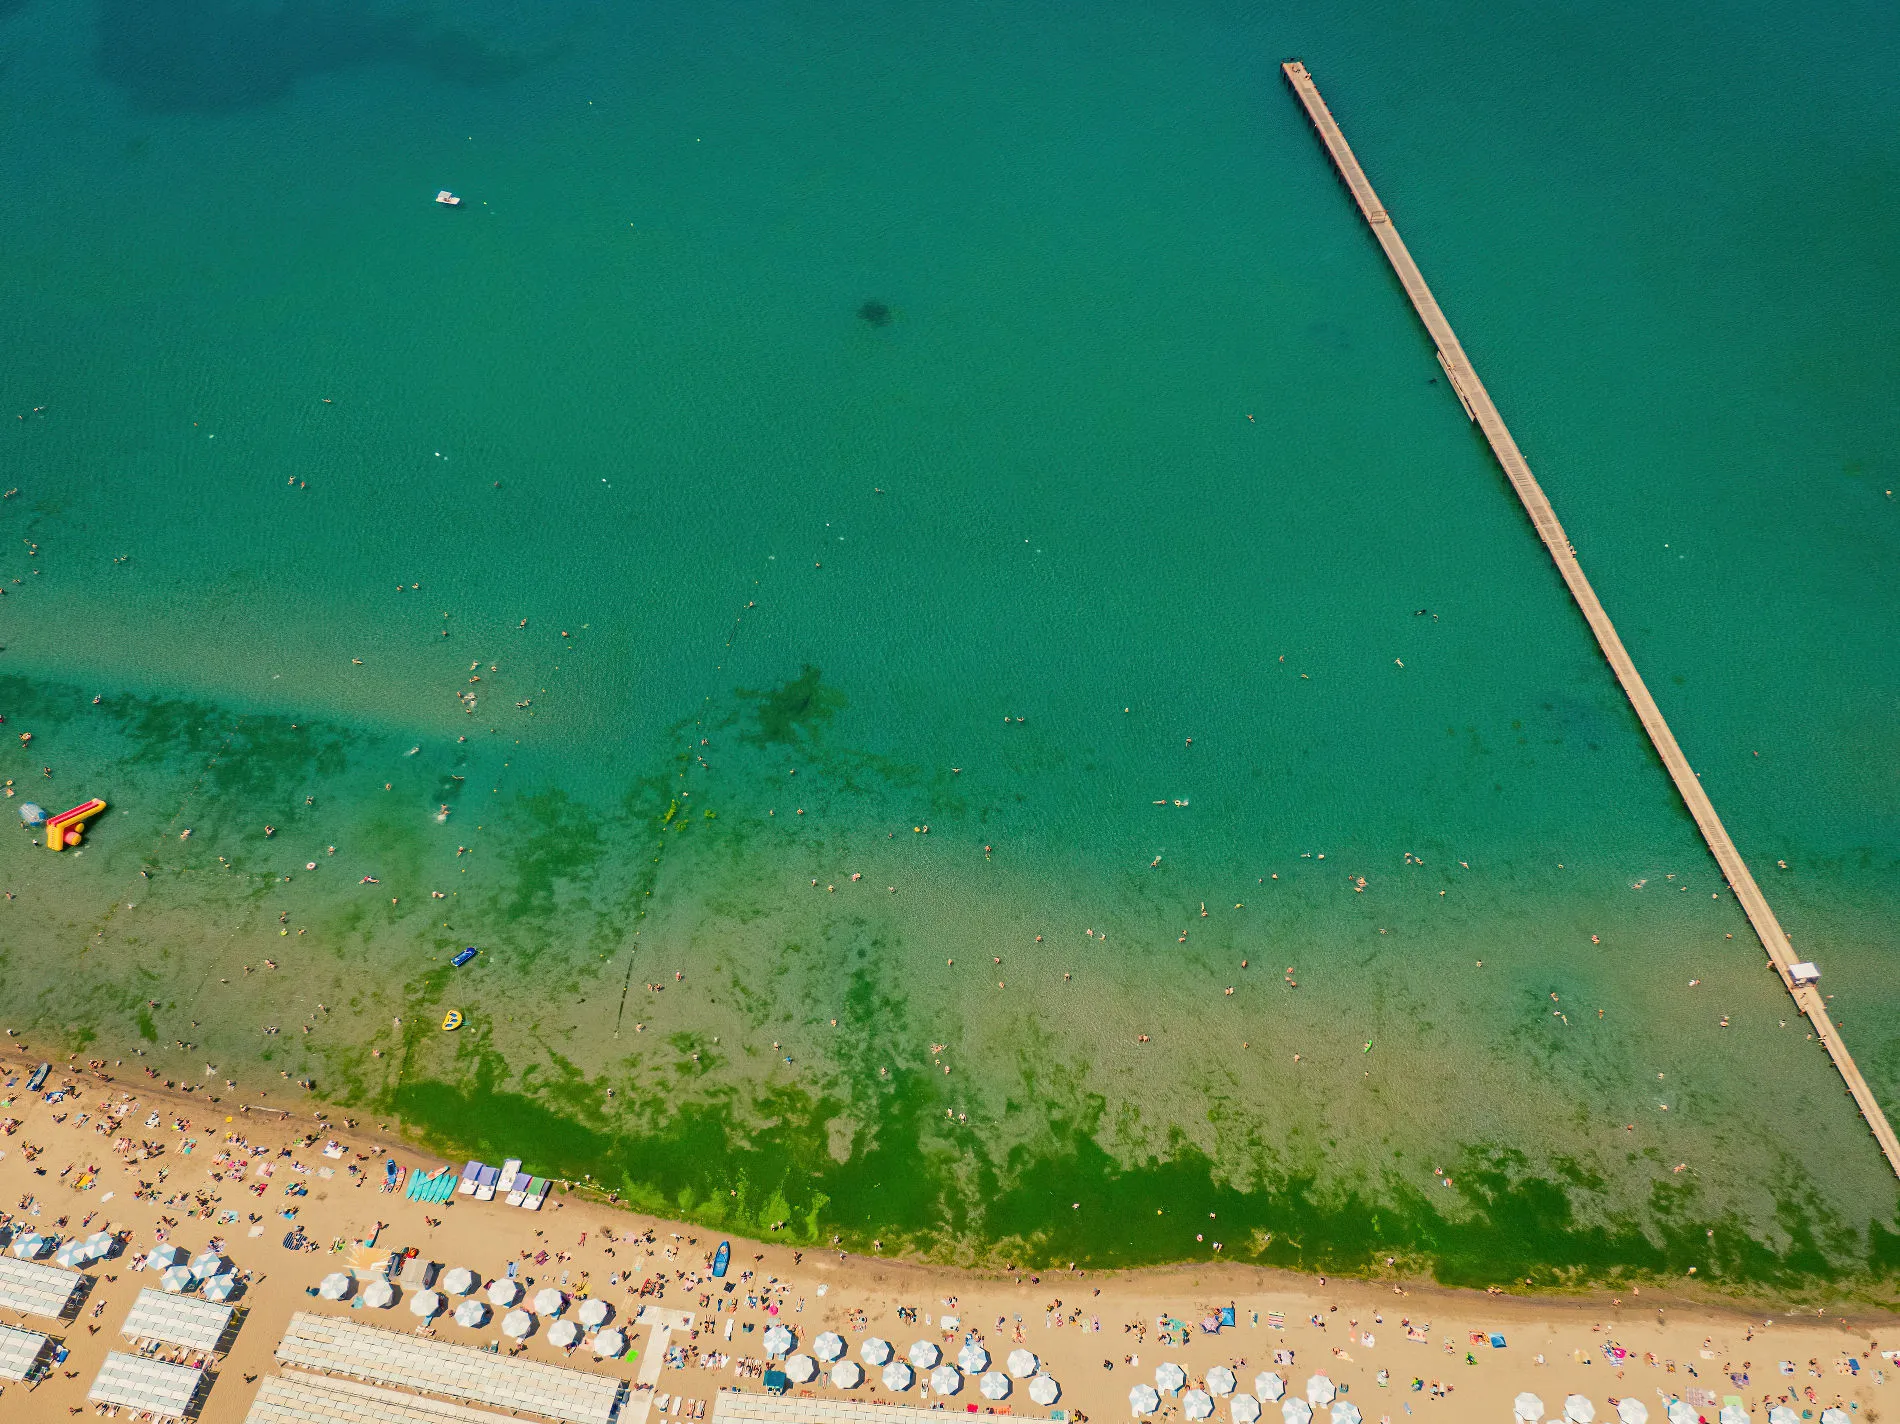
(1578, 1409)
(1221, 1381)
(1044, 1390)
(1296, 1411)
(1197, 1404)
(801, 1368)
(179, 1279)
(334, 1286)
(471, 1315)
(1169, 1376)
(504, 1292)
(923, 1354)
(610, 1344)
(517, 1325)
(1345, 1412)
(779, 1341)
(828, 1346)
(973, 1359)
(1269, 1386)
(847, 1374)
(1320, 1390)
(159, 1256)
(378, 1295)
(1781, 1414)
(549, 1301)
(875, 1351)
(425, 1303)
(994, 1385)
(564, 1334)
(594, 1312)
(221, 1288)
(1022, 1363)
(459, 1280)
(1142, 1399)
(1245, 1409)
(897, 1376)
(208, 1265)
(1732, 1414)
(101, 1244)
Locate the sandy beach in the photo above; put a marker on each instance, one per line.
(96, 1150)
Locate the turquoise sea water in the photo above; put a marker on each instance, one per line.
(822, 423)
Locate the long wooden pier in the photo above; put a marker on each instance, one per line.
(1477, 403)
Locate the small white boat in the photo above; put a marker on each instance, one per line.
(448, 199)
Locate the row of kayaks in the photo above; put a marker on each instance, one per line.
(514, 1186)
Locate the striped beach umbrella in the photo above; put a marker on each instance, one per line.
(179, 1279)
(1197, 1404)
(221, 1288)
(946, 1380)
(1320, 1389)
(1269, 1386)
(1169, 1377)
(1345, 1412)
(994, 1385)
(1296, 1411)
(1245, 1409)
(1221, 1381)
(779, 1341)
(1143, 1399)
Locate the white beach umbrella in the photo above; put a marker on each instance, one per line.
(1578, 1409)
(1197, 1404)
(29, 1244)
(1021, 1363)
(1527, 1408)
(334, 1286)
(779, 1341)
(828, 1346)
(994, 1385)
(1345, 1412)
(1044, 1390)
(471, 1314)
(101, 1244)
(1245, 1409)
(1169, 1376)
(973, 1359)
(549, 1301)
(847, 1374)
(379, 1295)
(800, 1368)
(1781, 1414)
(1732, 1414)
(72, 1254)
(610, 1344)
(564, 1334)
(221, 1288)
(1677, 1412)
(875, 1351)
(594, 1312)
(1142, 1399)
(1634, 1411)
(159, 1256)
(517, 1325)
(923, 1354)
(1269, 1386)
(1296, 1411)
(1221, 1381)
(946, 1380)
(1320, 1390)
(1834, 1416)
(180, 1279)
(459, 1280)
(504, 1292)
(425, 1303)
(897, 1376)
(209, 1264)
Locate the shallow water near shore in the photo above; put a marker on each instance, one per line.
(876, 561)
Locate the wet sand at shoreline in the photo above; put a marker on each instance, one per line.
(1097, 1334)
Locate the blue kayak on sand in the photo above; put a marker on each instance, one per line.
(722, 1259)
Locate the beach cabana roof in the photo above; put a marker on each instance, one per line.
(973, 1359)
(1245, 1409)
(1269, 1386)
(1022, 1363)
(946, 1380)
(1143, 1399)
(517, 1325)
(801, 1368)
(828, 1346)
(1197, 1404)
(1044, 1390)
(994, 1385)
(875, 1351)
(897, 1376)
(847, 1374)
(923, 1354)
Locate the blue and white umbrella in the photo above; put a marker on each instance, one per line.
(828, 1346)
(1245, 1409)
(973, 1359)
(1169, 1377)
(72, 1254)
(946, 1380)
(208, 1265)
(221, 1287)
(1732, 1414)
(875, 1352)
(1143, 1399)
(1296, 1411)
(335, 1286)
(994, 1385)
(30, 1246)
(179, 1279)
(924, 1355)
(1269, 1386)
(101, 1244)
(1345, 1412)
(1221, 1381)
(1578, 1409)
(1021, 1363)
(897, 1376)
(471, 1314)
(1320, 1389)
(1197, 1404)
(779, 1341)
(165, 1255)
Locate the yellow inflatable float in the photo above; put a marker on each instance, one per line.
(452, 1020)
(68, 828)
